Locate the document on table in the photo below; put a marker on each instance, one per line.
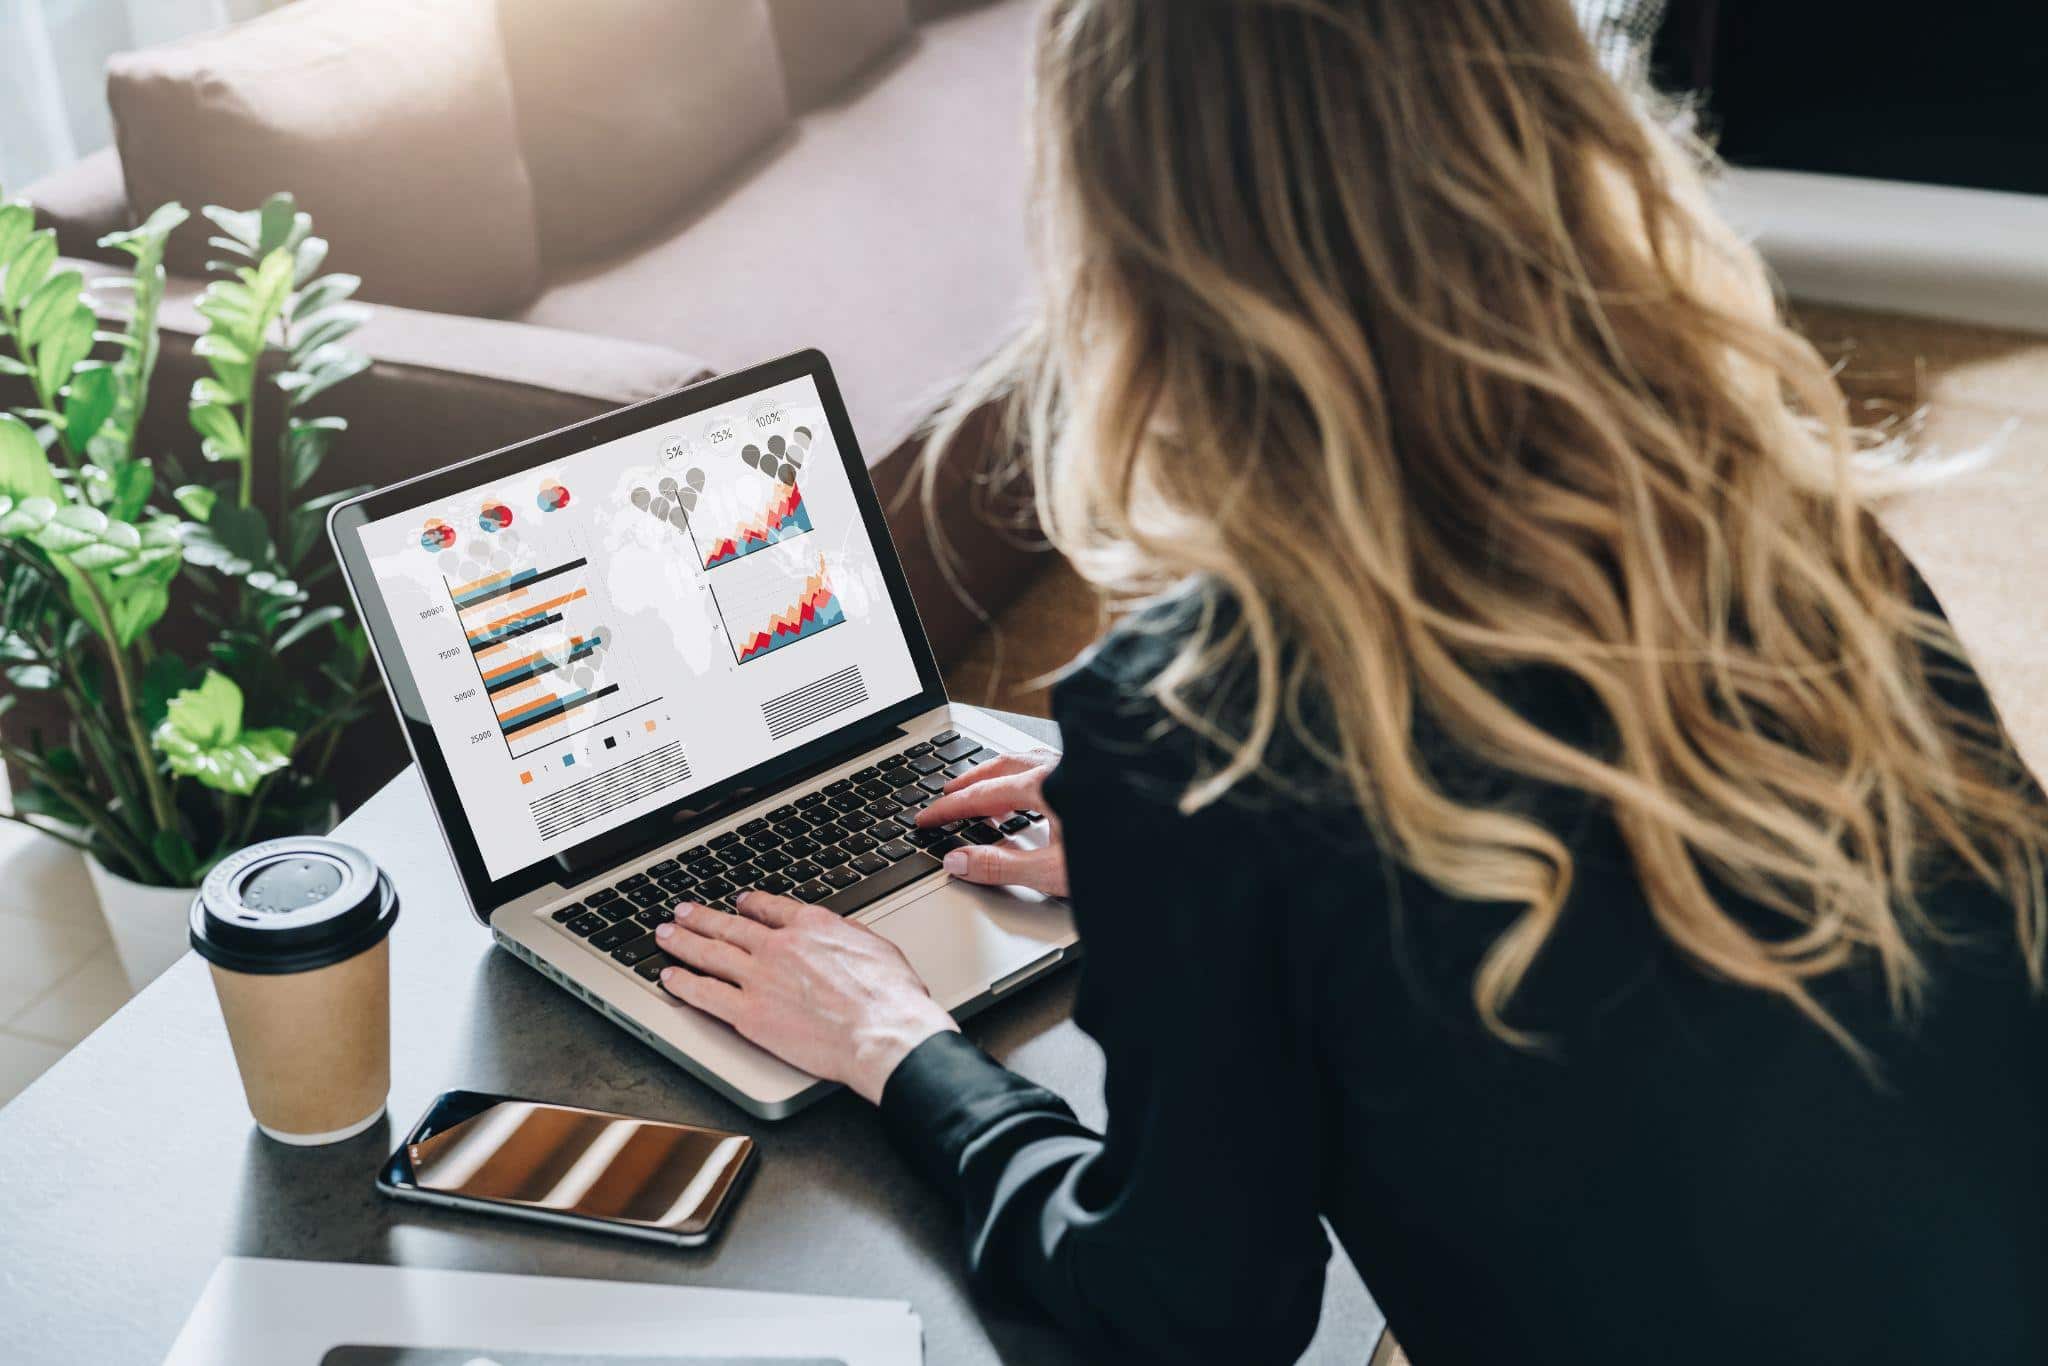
(260, 1312)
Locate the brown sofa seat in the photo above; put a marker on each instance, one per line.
(887, 229)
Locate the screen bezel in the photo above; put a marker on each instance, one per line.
(486, 894)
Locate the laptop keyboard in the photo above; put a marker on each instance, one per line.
(843, 846)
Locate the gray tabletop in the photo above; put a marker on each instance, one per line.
(132, 1166)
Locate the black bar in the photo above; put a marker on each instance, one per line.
(514, 679)
(550, 713)
(502, 589)
(514, 633)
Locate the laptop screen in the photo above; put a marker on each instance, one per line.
(596, 637)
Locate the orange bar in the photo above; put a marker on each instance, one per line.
(508, 717)
(539, 726)
(456, 590)
(505, 694)
(504, 669)
(535, 610)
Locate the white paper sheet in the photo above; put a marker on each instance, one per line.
(259, 1312)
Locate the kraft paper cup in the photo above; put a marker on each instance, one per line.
(296, 933)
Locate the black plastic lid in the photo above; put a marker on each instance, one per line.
(291, 905)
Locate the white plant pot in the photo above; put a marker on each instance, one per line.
(148, 924)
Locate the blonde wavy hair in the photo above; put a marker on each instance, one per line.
(1407, 329)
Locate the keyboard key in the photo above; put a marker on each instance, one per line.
(924, 839)
(677, 885)
(664, 868)
(615, 911)
(813, 892)
(925, 763)
(803, 870)
(564, 914)
(754, 826)
(708, 892)
(894, 850)
(743, 874)
(611, 936)
(865, 775)
(1034, 816)
(882, 809)
(776, 884)
(803, 846)
(980, 833)
(808, 800)
(869, 864)
(894, 877)
(725, 841)
(959, 770)
(735, 854)
(944, 736)
(651, 969)
(636, 951)
(602, 895)
(781, 813)
(649, 895)
(774, 861)
(934, 784)
(953, 751)
(583, 926)
(835, 788)
(1020, 821)
(892, 761)
(917, 749)
(873, 791)
(627, 884)
(764, 839)
(853, 822)
(946, 844)
(841, 877)
(856, 844)
(652, 916)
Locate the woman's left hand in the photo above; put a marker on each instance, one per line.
(819, 992)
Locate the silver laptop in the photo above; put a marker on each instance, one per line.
(668, 654)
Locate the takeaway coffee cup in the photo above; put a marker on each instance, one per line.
(297, 934)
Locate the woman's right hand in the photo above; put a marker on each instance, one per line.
(999, 788)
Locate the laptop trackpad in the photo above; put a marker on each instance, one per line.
(963, 938)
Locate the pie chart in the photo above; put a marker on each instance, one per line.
(553, 497)
(495, 516)
(437, 535)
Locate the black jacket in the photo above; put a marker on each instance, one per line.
(1691, 1172)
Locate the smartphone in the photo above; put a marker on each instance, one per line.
(561, 1164)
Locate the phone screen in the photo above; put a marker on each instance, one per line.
(583, 1163)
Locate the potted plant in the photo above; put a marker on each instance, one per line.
(166, 759)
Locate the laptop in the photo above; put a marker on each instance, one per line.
(668, 654)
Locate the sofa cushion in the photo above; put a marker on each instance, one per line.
(889, 232)
(629, 109)
(390, 120)
(824, 43)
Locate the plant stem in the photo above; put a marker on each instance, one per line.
(116, 837)
(160, 805)
(80, 845)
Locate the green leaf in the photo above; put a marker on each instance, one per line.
(42, 800)
(245, 228)
(276, 222)
(148, 237)
(307, 441)
(201, 737)
(29, 267)
(335, 365)
(242, 531)
(323, 294)
(307, 258)
(17, 221)
(32, 677)
(88, 403)
(176, 856)
(24, 468)
(10, 366)
(166, 677)
(222, 431)
(70, 342)
(134, 481)
(306, 625)
(196, 499)
(56, 296)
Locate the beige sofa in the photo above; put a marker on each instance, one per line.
(561, 207)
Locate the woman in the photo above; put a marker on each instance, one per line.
(1535, 821)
